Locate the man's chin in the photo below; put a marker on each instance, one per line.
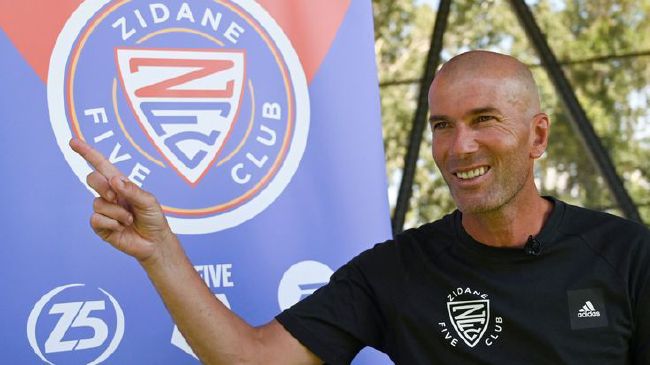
(476, 206)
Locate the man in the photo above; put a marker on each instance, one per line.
(509, 278)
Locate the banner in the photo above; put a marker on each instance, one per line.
(255, 124)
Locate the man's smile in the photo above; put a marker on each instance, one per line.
(471, 173)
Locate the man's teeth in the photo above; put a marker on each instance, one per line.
(472, 173)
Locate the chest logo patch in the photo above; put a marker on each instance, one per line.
(587, 308)
(470, 319)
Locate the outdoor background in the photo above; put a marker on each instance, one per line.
(605, 51)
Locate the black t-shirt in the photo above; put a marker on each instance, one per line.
(436, 296)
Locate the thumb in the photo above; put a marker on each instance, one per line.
(133, 194)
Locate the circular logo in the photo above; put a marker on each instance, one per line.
(301, 280)
(72, 324)
(204, 104)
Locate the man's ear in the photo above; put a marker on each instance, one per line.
(540, 130)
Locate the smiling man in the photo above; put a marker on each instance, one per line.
(487, 131)
(509, 278)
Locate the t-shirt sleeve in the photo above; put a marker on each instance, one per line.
(641, 342)
(642, 336)
(340, 318)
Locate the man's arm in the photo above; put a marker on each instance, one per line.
(641, 339)
(132, 221)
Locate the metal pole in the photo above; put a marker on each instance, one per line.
(420, 118)
(579, 121)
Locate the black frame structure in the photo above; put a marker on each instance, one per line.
(578, 118)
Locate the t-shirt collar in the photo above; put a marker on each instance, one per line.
(547, 236)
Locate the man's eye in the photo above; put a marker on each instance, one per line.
(439, 125)
(484, 118)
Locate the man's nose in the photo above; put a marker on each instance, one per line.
(464, 141)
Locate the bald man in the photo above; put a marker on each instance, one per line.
(510, 277)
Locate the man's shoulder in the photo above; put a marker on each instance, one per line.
(432, 236)
(584, 221)
(441, 230)
(619, 240)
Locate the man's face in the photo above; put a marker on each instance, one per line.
(481, 140)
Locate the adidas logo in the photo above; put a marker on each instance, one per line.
(588, 310)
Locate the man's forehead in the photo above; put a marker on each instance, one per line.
(469, 89)
(470, 80)
(442, 115)
(469, 92)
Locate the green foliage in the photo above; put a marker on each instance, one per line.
(614, 91)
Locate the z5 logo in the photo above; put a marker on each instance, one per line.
(75, 314)
(63, 325)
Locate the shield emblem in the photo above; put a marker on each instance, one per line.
(470, 319)
(186, 101)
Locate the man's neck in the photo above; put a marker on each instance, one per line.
(512, 224)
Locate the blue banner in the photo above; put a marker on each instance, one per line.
(256, 125)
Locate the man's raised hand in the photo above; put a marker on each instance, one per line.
(132, 220)
(125, 216)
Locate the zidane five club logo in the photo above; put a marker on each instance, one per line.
(470, 317)
(203, 103)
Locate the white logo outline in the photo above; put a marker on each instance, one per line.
(301, 280)
(149, 74)
(588, 310)
(483, 304)
(40, 304)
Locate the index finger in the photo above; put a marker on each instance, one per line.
(93, 157)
